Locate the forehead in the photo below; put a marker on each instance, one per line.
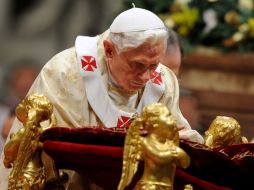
(146, 50)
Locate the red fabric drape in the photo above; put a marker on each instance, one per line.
(96, 154)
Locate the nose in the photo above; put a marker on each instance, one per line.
(145, 75)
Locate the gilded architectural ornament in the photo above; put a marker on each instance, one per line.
(153, 138)
(22, 153)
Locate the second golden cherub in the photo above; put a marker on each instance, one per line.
(158, 148)
(224, 131)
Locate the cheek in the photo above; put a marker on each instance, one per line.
(125, 79)
(123, 71)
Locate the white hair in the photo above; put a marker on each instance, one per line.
(126, 40)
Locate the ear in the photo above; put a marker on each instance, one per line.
(108, 49)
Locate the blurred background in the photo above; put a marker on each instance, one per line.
(216, 74)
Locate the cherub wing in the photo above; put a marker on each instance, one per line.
(132, 153)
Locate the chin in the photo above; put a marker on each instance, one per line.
(132, 88)
(136, 87)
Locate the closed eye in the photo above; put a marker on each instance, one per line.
(138, 66)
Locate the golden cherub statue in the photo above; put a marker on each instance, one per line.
(22, 152)
(224, 131)
(158, 148)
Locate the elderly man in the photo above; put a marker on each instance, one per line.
(104, 80)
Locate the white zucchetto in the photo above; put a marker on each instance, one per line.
(136, 19)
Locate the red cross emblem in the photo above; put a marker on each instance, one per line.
(156, 78)
(88, 63)
(123, 121)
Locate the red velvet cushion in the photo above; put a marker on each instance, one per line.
(103, 165)
(231, 166)
(100, 164)
(96, 153)
(86, 135)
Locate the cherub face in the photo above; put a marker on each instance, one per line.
(158, 121)
(38, 103)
